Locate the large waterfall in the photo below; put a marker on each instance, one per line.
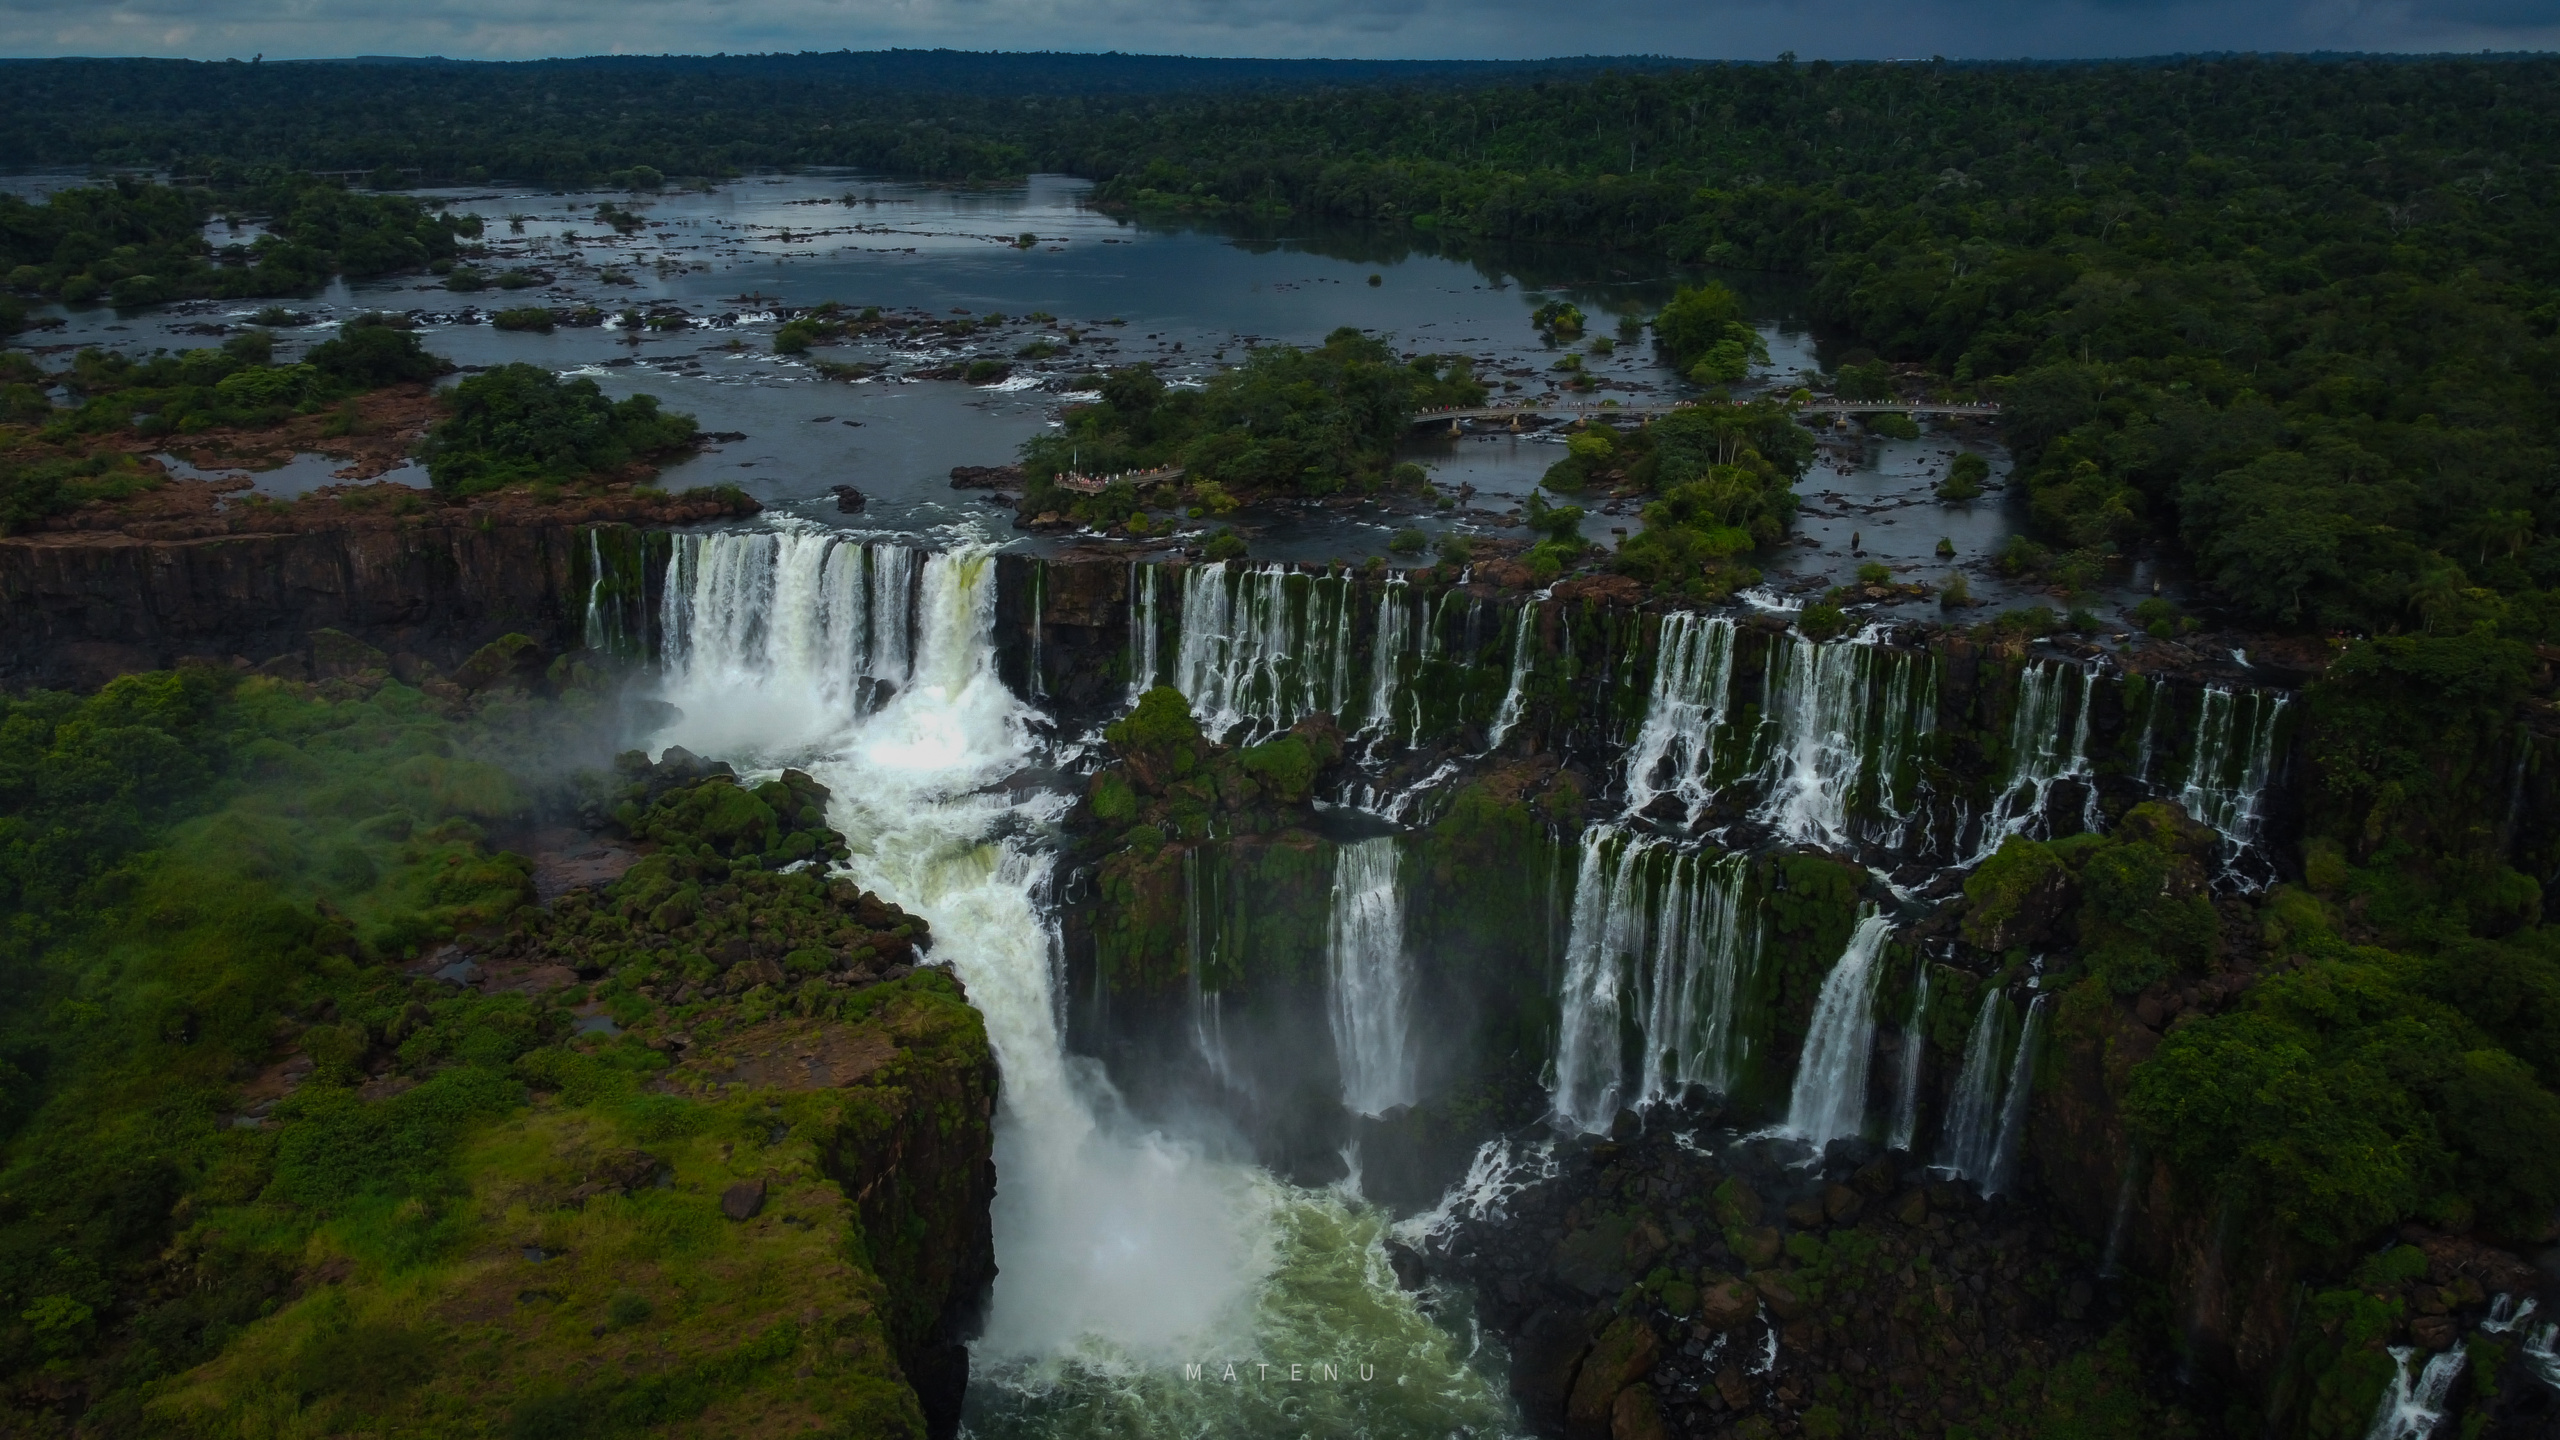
(1122, 1252)
(1372, 977)
(1830, 1096)
(1659, 936)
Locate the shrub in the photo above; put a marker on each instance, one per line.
(529, 317)
(1874, 572)
(1823, 620)
(370, 353)
(1408, 541)
(1957, 592)
(1965, 477)
(1225, 545)
(519, 423)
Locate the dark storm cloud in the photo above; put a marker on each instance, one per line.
(1847, 29)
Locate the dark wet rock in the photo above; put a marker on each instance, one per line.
(849, 500)
(1546, 1356)
(1624, 1354)
(743, 1201)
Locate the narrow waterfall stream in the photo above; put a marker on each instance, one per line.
(2013, 1109)
(1524, 635)
(1372, 980)
(1906, 1093)
(1966, 1143)
(1830, 1095)
(1124, 1254)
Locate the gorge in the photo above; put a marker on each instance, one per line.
(1672, 951)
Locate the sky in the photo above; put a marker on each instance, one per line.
(1366, 29)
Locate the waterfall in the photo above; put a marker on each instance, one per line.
(1607, 912)
(1692, 684)
(1971, 1135)
(1831, 712)
(1372, 977)
(1906, 1097)
(1701, 946)
(2235, 750)
(1144, 634)
(2013, 1111)
(2111, 1260)
(1523, 641)
(1208, 1027)
(2412, 1410)
(2044, 746)
(1386, 659)
(1830, 1097)
(801, 625)
(1120, 1250)
(1261, 648)
(1659, 934)
(1816, 706)
(602, 630)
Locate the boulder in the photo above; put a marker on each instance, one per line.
(1726, 1304)
(1545, 1358)
(1637, 1415)
(743, 1201)
(1623, 1355)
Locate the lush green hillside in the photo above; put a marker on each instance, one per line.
(272, 1164)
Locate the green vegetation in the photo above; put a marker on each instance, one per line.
(138, 243)
(388, 1192)
(1702, 334)
(1965, 475)
(1292, 421)
(53, 460)
(1720, 475)
(521, 423)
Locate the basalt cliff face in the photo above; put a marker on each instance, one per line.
(100, 595)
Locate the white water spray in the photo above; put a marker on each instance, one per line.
(2013, 1110)
(2413, 1407)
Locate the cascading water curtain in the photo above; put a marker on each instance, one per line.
(1845, 723)
(2231, 761)
(1372, 977)
(1972, 1133)
(1262, 647)
(2048, 742)
(1684, 718)
(1660, 948)
(822, 625)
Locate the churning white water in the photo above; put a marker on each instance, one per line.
(1372, 979)
(1121, 1252)
(1830, 1095)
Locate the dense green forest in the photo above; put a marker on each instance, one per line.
(2296, 314)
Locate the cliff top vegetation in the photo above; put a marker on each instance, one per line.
(306, 1099)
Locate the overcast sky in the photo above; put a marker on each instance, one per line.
(1465, 29)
